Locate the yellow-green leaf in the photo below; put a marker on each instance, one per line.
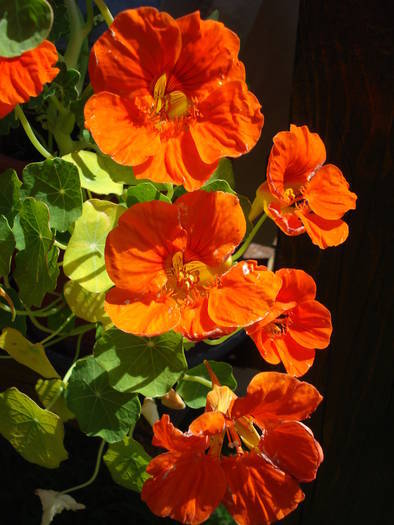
(26, 353)
(86, 305)
(50, 389)
(84, 257)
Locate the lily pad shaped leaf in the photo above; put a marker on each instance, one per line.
(54, 503)
(36, 269)
(9, 194)
(55, 182)
(127, 462)
(100, 174)
(35, 433)
(24, 24)
(84, 257)
(149, 366)
(26, 353)
(99, 409)
(193, 387)
(51, 394)
(86, 305)
(7, 246)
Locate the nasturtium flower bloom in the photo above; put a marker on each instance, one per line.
(273, 452)
(171, 264)
(300, 193)
(170, 97)
(24, 76)
(296, 325)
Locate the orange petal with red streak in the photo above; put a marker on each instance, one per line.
(208, 424)
(297, 286)
(324, 233)
(310, 324)
(167, 436)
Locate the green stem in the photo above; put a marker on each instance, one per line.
(77, 36)
(55, 398)
(105, 12)
(94, 475)
(34, 313)
(78, 350)
(197, 379)
(215, 342)
(78, 331)
(250, 237)
(60, 245)
(58, 330)
(29, 132)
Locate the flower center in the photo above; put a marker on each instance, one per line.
(169, 106)
(278, 327)
(186, 276)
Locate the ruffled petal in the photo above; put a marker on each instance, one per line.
(244, 295)
(272, 396)
(184, 486)
(228, 124)
(215, 223)
(259, 493)
(167, 436)
(310, 324)
(322, 232)
(195, 322)
(24, 76)
(294, 156)
(135, 51)
(139, 249)
(292, 447)
(145, 316)
(209, 53)
(297, 286)
(208, 424)
(263, 341)
(328, 193)
(120, 127)
(286, 218)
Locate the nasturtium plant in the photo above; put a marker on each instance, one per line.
(122, 261)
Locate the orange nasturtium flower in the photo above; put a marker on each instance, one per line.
(296, 325)
(170, 96)
(300, 194)
(171, 264)
(273, 452)
(24, 76)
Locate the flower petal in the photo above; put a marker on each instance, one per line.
(146, 316)
(244, 295)
(297, 286)
(292, 447)
(322, 232)
(294, 156)
(295, 358)
(272, 396)
(228, 124)
(259, 493)
(135, 51)
(215, 233)
(208, 424)
(120, 128)
(195, 322)
(328, 193)
(209, 53)
(185, 486)
(286, 218)
(24, 76)
(310, 324)
(167, 436)
(139, 248)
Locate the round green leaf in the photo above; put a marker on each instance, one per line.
(35, 433)
(193, 388)
(24, 24)
(50, 389)
(144, 192)
(99, 409)
(100, 174)
(7, 246)
(55, 182)
(84, 257)
(150, 366)
(86, 305)
(127, 462)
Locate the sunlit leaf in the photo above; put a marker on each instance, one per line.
(7, 246)
(36, 269)
(86, 305)
(144, 192)
(99, 409)
(55, 182)
(100, 174)
(9, 195)
(49, 389)
(35, 433)
(127, 462)
(54, 503)
(193, 392)
(29, 354)
(84, 258)
(24, 24)
(150, 366)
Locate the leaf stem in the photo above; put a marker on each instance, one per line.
(94, 475)
(105, 12)
(60, 245)
(215, 342)
(77, 35)
(29, 132)
(58, 330)
(250, 237)
(197, 379)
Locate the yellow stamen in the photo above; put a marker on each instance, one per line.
(159, 92)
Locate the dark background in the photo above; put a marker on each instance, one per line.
(327, 64)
